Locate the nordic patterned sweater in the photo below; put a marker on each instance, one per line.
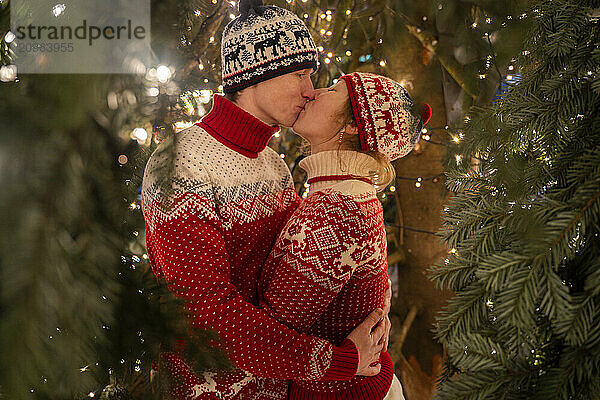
(328, 268)
(230, 195)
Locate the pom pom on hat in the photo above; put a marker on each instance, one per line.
(245, 6)
(384, 114)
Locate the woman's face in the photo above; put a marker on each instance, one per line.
(320, 121)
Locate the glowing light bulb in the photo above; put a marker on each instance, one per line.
(140, 134)
(163, 73)
(8, 73)
(58, 9)
(9, 37)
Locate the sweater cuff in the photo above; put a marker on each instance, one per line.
(344, 362)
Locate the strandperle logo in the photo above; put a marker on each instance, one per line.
(87, 36)
(83, 32)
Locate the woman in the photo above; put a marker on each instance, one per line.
(328, 270)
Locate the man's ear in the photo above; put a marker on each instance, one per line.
(351, 129)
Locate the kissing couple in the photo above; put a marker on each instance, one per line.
(297, 290)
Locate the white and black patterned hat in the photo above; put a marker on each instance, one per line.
(262, 43)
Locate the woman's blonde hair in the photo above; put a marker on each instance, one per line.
(385, 173)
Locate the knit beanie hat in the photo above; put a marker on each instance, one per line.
(262, 43)
(384, 114)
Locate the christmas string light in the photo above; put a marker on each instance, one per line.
(408, 228)
(420, 179)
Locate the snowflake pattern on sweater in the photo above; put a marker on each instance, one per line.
(209, 235)
(328, 269)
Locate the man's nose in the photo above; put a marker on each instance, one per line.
(308, 90)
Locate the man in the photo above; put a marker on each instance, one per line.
(229, 197)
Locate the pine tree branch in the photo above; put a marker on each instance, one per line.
(457, 71)
(576, 219)
(201, 41)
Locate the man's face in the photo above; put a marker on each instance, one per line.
(279, 100)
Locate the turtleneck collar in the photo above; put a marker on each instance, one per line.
(337, 162)
(236, 128)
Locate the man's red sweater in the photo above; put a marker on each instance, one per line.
(209, 236)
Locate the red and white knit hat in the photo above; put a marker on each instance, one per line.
(383, 112)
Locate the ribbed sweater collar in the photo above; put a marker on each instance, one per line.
(337, 162)
(236, 128)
